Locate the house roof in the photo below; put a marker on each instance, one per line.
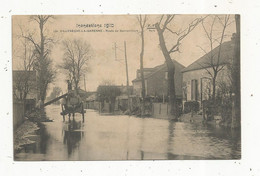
(158, 68)
(205, 61)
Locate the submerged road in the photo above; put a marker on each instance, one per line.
(108, 137)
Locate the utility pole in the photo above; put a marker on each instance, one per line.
(127, 80)
(126, 69)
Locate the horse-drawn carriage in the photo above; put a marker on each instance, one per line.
(71, 104)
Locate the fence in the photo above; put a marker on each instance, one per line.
(18, 114)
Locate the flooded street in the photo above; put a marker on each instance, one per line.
(107, 137)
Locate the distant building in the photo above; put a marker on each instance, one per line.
(113, 97)
(197, 82)
(122, 100)
(156, 81)
(92, 101)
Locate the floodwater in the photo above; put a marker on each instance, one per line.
(108, 137)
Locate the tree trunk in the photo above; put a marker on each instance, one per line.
(171, 91)
(214, 94)
(214, 89)
(236, 78)
(171, 71)
(142, 74)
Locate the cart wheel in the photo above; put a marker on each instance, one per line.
(82, 111)
(63, 113)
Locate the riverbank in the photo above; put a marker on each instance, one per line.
(26, 133)
(23, 134)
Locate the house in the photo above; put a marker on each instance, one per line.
(24, 94)
(156, 81)
(197, 77)
(113, 97)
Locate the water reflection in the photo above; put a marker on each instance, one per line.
(44, 139)
(161, 139)
(190, 141)
(40, 144)
(72, 134)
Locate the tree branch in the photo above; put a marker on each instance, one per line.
(185, 32)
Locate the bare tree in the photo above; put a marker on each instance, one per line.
(43, 63)
(23, 84)
(76, 56)
(24, 80)
(142, 23)
(213, 65)
(162, 26)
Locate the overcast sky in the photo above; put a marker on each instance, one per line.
(103, 65)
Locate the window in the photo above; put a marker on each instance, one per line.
(194, 89)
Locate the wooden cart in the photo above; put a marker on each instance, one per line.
(72, 104)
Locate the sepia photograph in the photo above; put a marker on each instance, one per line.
(126, 87)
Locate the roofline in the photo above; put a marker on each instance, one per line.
(150, 74)
(136, 80)
(201, 68)
(164, 65)
(204, 56)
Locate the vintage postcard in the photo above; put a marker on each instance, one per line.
(126, 87)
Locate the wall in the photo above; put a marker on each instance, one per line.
(18, 114)
(198, 74)
(158, 84)
(137, 88)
